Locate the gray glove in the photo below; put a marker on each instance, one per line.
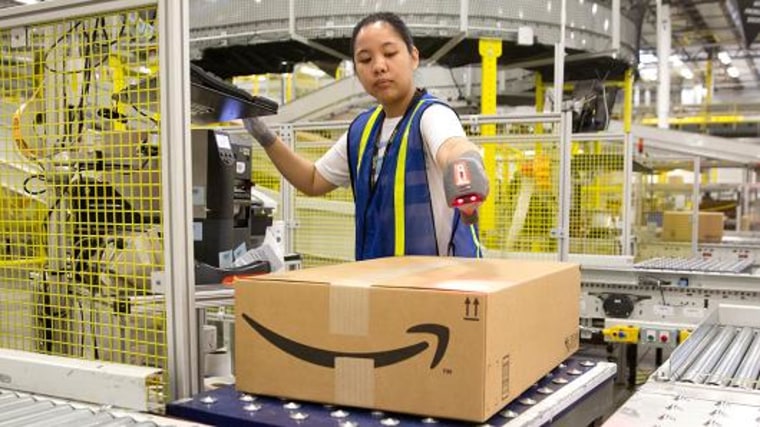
(259, 131)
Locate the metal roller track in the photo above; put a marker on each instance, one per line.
(20, 410)
(729, 363)
(726, 356)
(747, 375)
(691, 349)
(697, 264)
(703, 366)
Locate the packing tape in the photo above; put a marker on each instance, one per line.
(355, 381)
(349, 310)
(349, 297)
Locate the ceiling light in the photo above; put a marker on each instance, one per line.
(311, 71)
(687, 73)
(724, 58)
(593, 9)
(676, 61)
(648, 58)
(27, 1)
(733, 71)
(648, 74)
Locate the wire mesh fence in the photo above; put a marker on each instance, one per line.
(325, 225)
(597, 179)
(81, 217)
(522, 156)
(521, 217)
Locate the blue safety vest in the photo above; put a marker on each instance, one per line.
(395, 216)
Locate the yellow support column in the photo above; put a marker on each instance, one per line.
(709, 82)
(628, 101)
(540, 93)
(490, 51)
(288, 87)
(709, 94)
(540, 101)
(712, 175)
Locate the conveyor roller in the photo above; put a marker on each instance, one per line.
(23, 410)
(722, 356)
(704, 265)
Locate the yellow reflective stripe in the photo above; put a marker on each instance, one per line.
(365, 137)
(399, 188)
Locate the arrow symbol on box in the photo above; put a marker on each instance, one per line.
(476, 304)
(467, 307)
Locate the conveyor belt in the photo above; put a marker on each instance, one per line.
(577, 392)
(24, 410)
(726, 356)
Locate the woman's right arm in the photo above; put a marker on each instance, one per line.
(300, 172)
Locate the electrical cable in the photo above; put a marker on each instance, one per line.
(456, 85)
(476, 240)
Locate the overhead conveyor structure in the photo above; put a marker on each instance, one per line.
(240, 37)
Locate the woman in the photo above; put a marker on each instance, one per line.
(407, 160)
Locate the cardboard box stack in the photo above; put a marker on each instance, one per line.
(677, 226)
(441, 337)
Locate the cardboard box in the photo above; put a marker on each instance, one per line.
(750, 222)
(676, 226)
(441, 337)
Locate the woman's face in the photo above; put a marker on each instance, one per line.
(384, 65)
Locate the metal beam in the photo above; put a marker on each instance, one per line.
(663, 57)
(750, 63)
(705, 146)
(446, 48)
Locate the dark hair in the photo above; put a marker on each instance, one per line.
(391, 19)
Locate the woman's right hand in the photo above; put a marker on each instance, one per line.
(259, 131)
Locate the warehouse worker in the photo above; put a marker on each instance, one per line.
(405, 160)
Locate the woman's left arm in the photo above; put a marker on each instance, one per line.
(452, 149)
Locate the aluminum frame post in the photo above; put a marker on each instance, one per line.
(559, 61)
(663, 56)
(565, 185)
(627, 162)
(696, 190)
(174, 54)
(287, 194)
(616, 26)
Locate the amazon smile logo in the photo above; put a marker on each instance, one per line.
(326, 358)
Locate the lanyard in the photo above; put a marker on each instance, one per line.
(376, 142)
(376, 152)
